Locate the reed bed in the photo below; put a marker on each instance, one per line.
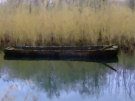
(67, 24)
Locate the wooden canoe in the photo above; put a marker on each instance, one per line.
(62, 51)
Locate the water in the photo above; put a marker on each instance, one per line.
(44, 80)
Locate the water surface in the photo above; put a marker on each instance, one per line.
(55, 80)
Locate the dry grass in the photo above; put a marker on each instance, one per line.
(67, 25)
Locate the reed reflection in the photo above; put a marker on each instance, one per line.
(86, 78)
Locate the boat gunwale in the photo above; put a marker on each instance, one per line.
(61, 48)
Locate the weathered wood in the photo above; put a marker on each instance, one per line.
(62, 51)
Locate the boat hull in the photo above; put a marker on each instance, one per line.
(61, 54)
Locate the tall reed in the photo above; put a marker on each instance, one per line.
(67, 23)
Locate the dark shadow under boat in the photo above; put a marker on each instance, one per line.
(103, 60)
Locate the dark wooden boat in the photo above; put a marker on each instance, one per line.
(62, 52)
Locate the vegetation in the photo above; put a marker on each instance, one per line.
(67, 22)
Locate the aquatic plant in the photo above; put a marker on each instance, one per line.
(66, 22)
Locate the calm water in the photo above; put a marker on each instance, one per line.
(44, 80)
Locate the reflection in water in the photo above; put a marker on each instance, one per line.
(42, 80)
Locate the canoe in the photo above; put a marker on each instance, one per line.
(60, 52)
